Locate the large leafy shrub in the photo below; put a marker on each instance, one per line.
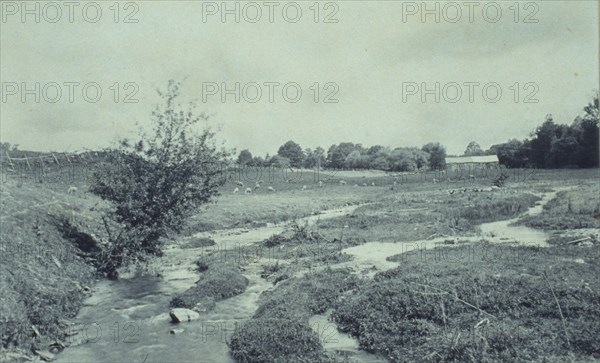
(157, 181)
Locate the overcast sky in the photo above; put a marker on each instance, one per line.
(372, 57)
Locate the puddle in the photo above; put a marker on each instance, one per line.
(344, 347)
(370, 258)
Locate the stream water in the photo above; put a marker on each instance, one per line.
(371, 257)
(128, 320)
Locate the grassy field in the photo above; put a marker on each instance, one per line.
(541, 307)
(526, 304)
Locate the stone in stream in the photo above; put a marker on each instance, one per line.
(176, 331)
(180, 315)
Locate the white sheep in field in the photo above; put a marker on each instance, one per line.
(236, 190)
(256, 186)
(239, 183)
(271, 189)
(364, 184)
(72, 190)
(342, 182)
(304, 187)
(248, 190)
(373, 184)
(320, 184)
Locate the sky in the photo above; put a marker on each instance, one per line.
(380, 61)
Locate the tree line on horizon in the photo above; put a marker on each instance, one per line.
(550, 145)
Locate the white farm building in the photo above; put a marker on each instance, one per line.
(472, 162)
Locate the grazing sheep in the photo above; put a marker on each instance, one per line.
(248, 190)
(271, 189)
(239, 184)
(434, 180)
(355, 185)
(320, 184)
(236, 190)
(72, 190)
(260, 182)
(364, 184)
(256, 186)
(373, 184)
(342, 182)
(304, 187)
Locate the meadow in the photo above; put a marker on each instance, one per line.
(530, 304)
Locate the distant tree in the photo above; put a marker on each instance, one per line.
(279, 161)
(586, 131)
(258, 161)
(473, 149)
(245, 158)
(337, 154)
(373, 150)
(355, 160)
(402, 159)
(293, 152)
(437, 155)
(562, 152)
(314, 158)
(512, 154)
(420, 157)
(541, 143)
(591, 110)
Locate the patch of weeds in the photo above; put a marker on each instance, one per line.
(275, 240)
(269, 270)
(216, 283)
(280, 278)
(199, 242)
(201, 265)
(276, 340)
